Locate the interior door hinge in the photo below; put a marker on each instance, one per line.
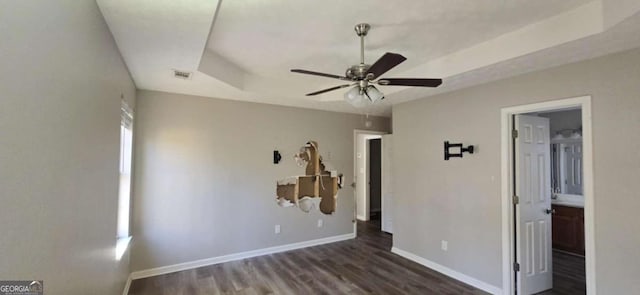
(516, 266)
(514, 133)
(516, 200)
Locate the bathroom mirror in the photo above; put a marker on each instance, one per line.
(566, 169)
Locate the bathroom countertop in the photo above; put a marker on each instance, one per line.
(576, 201)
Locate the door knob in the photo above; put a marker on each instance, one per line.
(550, 211)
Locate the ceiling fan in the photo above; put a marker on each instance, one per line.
(362, 75)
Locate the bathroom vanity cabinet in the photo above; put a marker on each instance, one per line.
(568, 229)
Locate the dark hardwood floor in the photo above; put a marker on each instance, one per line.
(375, 221)
(568, 275)
(363, 265)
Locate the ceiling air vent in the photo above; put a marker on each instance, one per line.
(182, 74)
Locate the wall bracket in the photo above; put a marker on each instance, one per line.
(276, 157)
(447, 146)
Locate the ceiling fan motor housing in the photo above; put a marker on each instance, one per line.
(357, 72)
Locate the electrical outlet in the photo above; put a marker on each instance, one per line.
(444, 245)
(320, 223)
(277, 229)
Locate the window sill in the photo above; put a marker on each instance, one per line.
(121, 247)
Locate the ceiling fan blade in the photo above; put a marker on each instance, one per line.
(328, 89)
(299, 71)
(387, 62)
(410, 82)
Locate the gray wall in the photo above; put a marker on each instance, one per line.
(61, 77)
(205, 181)
(459, 200)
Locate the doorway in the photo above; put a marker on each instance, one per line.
(531, 184)
(375, 182)
(367, 182)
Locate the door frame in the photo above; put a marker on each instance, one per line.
(507, 189)
(373, 134)
(382, 186)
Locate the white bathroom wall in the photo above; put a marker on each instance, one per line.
(562, 120)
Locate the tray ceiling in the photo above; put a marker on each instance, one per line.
(243, 49)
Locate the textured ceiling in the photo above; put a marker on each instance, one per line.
(267, 38)
(243, 49)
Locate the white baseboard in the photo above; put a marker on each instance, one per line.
(127, 286)
(448, 272)
(237, 256)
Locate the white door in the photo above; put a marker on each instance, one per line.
(387, 188)
(533, 178)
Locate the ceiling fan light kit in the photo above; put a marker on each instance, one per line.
(355, 97)
(360, 97)
(363, 75)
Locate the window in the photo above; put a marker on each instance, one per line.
(124, 195)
